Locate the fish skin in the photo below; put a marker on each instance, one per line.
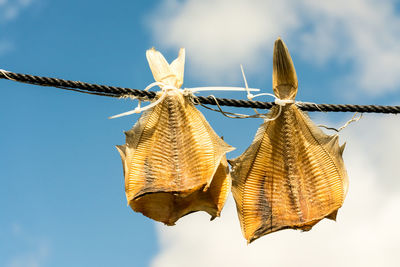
(292, 175)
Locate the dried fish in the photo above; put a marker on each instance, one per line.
(174, 163)
(292, 175)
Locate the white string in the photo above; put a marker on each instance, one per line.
(280, 102)
(250, 96)
(187, 91)
(220, 88)
(300, 103)
(190, 91)
(138, 109)
(283, 102)
(353, 119)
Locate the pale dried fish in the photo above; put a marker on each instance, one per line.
(174, 163)
(292, 175)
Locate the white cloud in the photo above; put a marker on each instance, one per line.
(5, 47)
(378, 139)
(219, 35)
(364, 36)
(364, 33)
(34, 251)
(10, 9)
(366, 233)
(33, 258)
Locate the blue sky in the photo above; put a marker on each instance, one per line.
(62, 201)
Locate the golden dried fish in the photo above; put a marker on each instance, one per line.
(174, 163)
(292, 175)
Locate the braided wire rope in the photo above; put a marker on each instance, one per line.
(113, 91)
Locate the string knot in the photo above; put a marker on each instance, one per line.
(283, 102)
(164, 90)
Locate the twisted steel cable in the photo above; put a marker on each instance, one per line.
(113, 91)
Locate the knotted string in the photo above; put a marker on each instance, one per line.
(353, 119)
(279, 102)
(186, 92)
(164, 88)
(191, 91)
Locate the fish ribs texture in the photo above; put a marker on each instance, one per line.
(291, 176)
(174, 163)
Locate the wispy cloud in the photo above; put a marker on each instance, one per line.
(34, 251)
(32, 258)
(10, 9)
(5, 47)
(221, 34)
(366, 233)
(364, 33)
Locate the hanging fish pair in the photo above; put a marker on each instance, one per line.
(291, 176)
(174, 163)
